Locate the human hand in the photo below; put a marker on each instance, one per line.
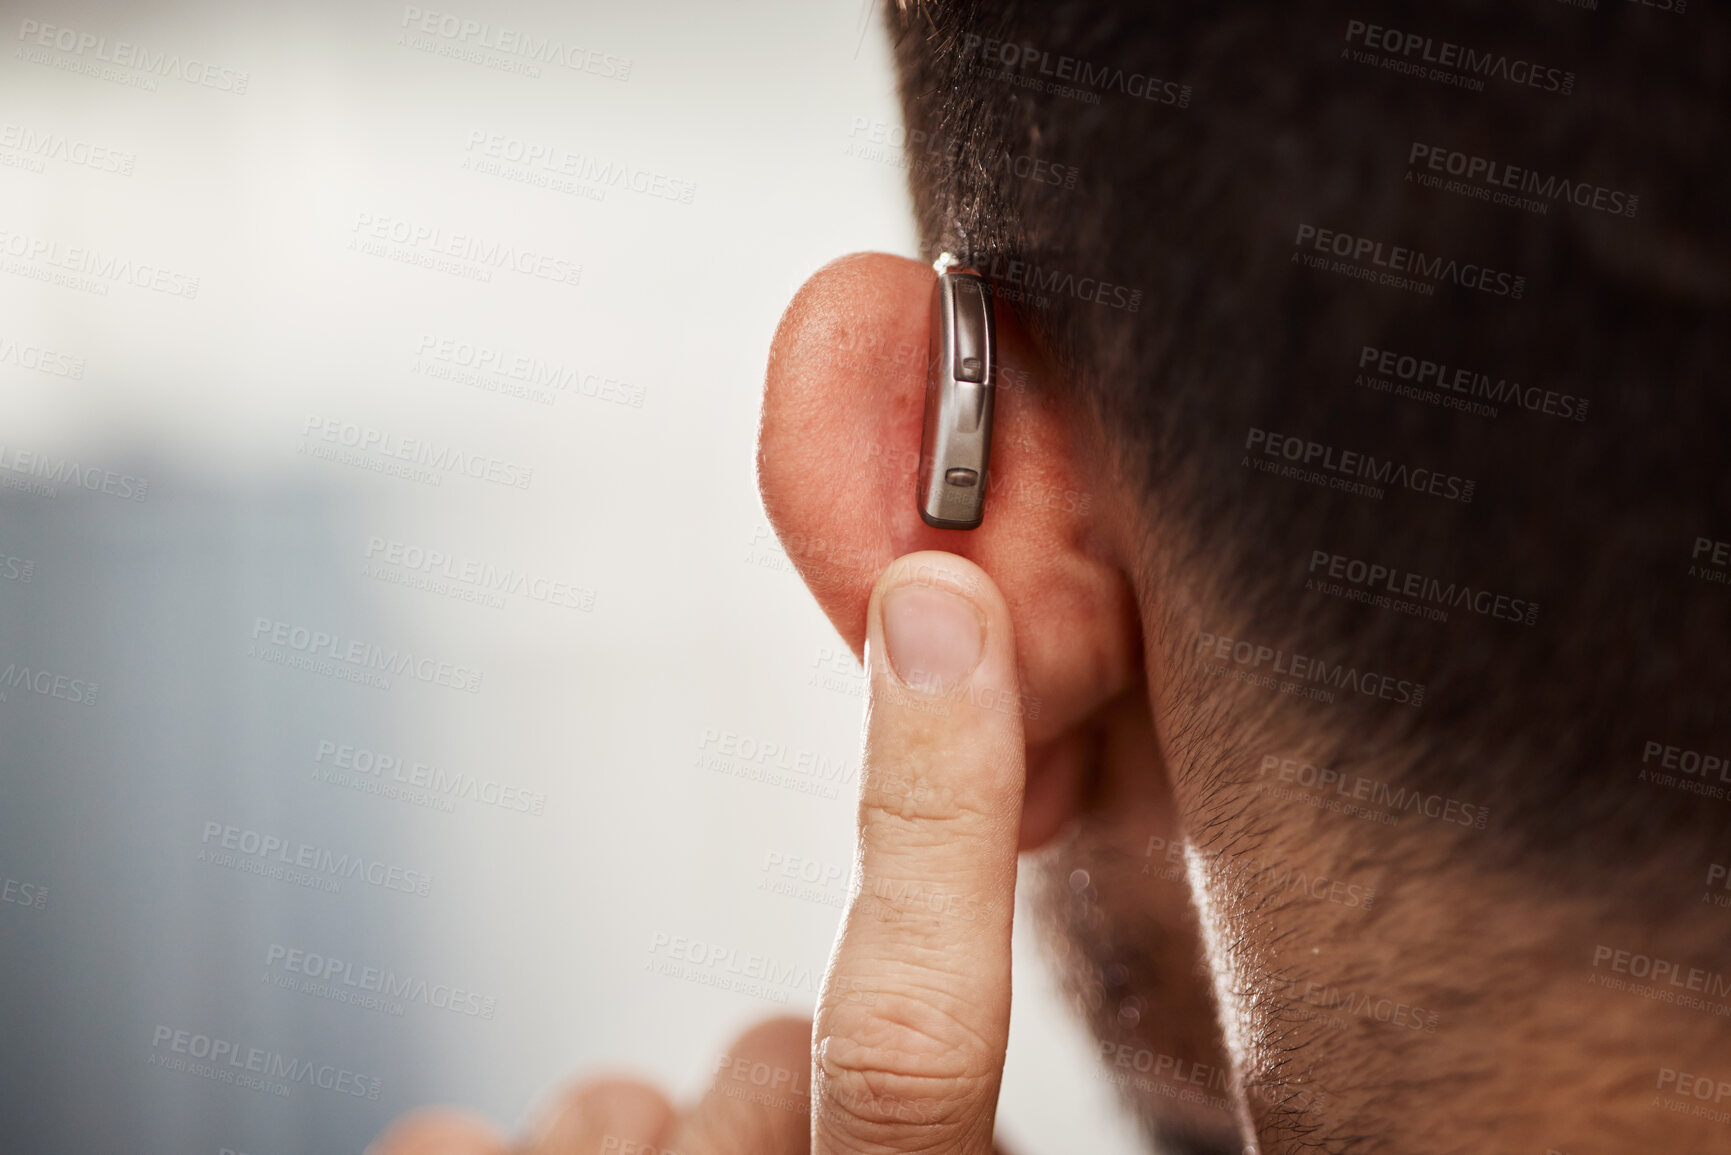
(906, 1051)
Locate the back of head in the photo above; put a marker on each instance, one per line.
(1413, 329)
(1411, 324)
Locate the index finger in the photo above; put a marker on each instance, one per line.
(914, 1015)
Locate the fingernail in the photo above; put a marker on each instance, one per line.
(934, 638)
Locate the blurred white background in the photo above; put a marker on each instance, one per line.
(345, 327)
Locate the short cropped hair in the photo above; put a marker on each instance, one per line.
(1410, 322)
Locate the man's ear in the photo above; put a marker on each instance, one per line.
(838, 454)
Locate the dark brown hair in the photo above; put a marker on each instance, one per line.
(1187, 269)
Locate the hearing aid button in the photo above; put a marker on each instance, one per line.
(970, 332)
(962, 477)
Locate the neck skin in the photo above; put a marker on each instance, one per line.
(1259, 959)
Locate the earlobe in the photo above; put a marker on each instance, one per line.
(838, 461)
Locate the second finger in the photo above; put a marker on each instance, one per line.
(603, 1117)
(758, 1103)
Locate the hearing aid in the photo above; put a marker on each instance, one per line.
(956, 444)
